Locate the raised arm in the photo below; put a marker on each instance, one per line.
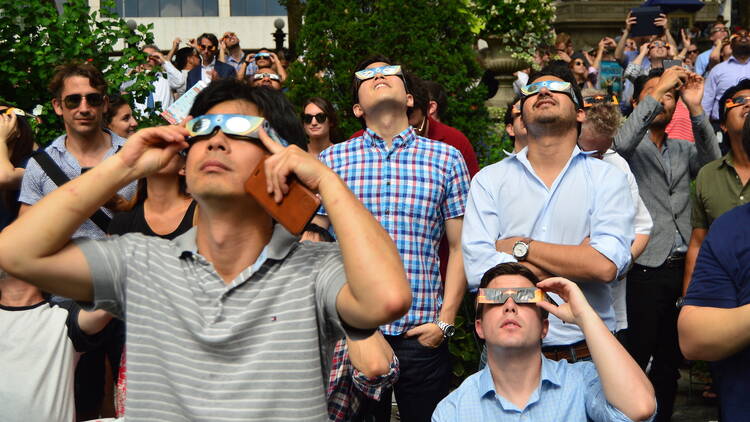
(175, 45)
(36, 247)
(279, 68)
(706, 146)
(377, 291)
(10, 176)
(620, 49)
(625, 385)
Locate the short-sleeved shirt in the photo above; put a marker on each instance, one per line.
(718, 189)
(566, 392)
(38, 346)
(255, 349)
(411, 188)
(36, 184)
(721, 279)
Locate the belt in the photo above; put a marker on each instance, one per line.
(571, 353)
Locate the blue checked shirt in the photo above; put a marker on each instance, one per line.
(411, 190)
(569, 392)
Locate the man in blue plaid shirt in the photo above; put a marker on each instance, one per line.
(416, 188)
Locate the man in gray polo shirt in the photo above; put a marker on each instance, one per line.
(234, 319)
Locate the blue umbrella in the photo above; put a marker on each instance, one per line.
(669, 6)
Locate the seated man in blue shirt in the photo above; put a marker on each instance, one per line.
(519, 383)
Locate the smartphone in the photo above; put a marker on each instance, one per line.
(294, 211)
(671, 63)
(644, 23)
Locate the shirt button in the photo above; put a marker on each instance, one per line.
(387, 212)
(388, 182)
(742, 197)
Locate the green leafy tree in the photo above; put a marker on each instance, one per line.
(35, 38)
(432, 39)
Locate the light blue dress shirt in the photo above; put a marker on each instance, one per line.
(701, 63)
(722, 77)
(589, 198)
(569, 392)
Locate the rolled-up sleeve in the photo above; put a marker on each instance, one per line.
(107, 261)
(612, 220)
(481, 229)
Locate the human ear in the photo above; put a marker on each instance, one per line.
(57, 106)
(357, 110)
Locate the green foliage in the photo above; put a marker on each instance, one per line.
(464, 345)
(430, 38)
(34, 38)
(521, 25)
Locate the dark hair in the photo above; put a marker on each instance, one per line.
(361, 65)
(336, 136)
(437, 94)
(742, 85)
(509, 114)
(67, 70)
(182, 55)
(507, 268)
(419, 92)
(20, 147)
(115, 102)
(151, 46)
(563, 73)
(210, 37)
(273, 106)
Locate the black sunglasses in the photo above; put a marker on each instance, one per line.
(320, 117)
(74, 100)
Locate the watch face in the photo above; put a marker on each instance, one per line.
(450, 330)
(519, 249)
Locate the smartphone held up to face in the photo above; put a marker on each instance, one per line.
(294, 211)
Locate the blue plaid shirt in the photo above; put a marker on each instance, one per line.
(567, 392)
(411, 189)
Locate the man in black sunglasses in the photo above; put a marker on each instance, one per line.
(210, 68)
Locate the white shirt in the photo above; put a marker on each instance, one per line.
(206, 71)
(162, 87)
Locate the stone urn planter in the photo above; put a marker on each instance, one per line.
(497, 59)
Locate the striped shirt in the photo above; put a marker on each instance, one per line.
(411, 189)
(256, 349)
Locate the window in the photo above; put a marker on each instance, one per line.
(257, 8)
(167, 8)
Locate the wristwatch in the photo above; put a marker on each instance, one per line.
(521, 249)
(680, 302)
(448, 329)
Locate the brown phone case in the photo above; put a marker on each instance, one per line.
(297, 207)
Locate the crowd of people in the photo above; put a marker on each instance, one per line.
(144, 277)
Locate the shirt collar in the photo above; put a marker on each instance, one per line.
(59, 142)
(522, 155)
(281, 243)
(549, 375)
(403, 139)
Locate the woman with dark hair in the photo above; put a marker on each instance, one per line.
(119, 116)
(579, 67)
(185, 59)
(16, 145)
(321, 124)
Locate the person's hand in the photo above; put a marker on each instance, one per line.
(575, 307)
(285, 161)
(213, 74)
(193, 43)
(222, 45)
(686, 41)
(692, 92)
(645, 47)
(506, 245)
(176, 42)
(674, 77)
(158, 58)
(428, 335)
(274, 58)
(149, 150)
(563, 56)
(629, 21)
(7, 126)
(662, 21)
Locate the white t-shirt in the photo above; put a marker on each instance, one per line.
(38, 347)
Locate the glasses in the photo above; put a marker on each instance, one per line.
(657, 44)
(715, 30)
(229, 35)
(207, 47)
(366, 74)
(736, 101)
(271, 76)
(554, 86)
(519, 295)
(238, 126)
(599, 99)
(578, 63)
(74, 100)
(692, 51)
(320, 118)
(16, 111)
(262, 55)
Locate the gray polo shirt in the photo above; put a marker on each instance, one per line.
(36, 184)
(198, 349)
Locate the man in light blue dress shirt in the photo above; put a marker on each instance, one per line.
(554, 209)
(519, 383)
(726, 74)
